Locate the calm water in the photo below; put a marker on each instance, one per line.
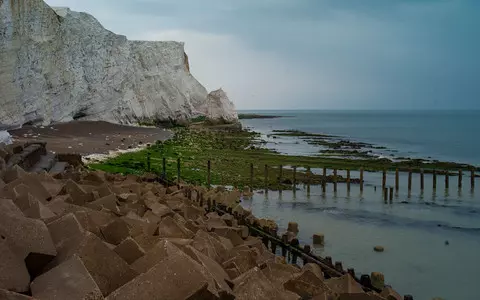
(442, 135)
(413, 228)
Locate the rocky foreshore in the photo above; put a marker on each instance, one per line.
(131, 237)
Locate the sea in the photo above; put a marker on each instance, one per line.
(431, 237)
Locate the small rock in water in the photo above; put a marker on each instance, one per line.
(378, 249)
(447, 243)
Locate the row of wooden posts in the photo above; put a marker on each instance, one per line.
(335, 174)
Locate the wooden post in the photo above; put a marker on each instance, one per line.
(397, 180)
(148, 161)
(447, 180)
(266, 177)
(384, 179)
(422, 180)
(472, 179)
(335, 180)
(178, 171)
(361, 179)
(434, 174)
(409, 180)
(324, 182)
(348, 180)
(294, 177)
(280, 174)
(251, 177)
(209, 178)
(391, 194)
(308, 180)
(164, 168)
(385, 194)
(460, 177)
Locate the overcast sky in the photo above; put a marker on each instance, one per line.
(316, 54)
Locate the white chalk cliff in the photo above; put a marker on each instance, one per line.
(57, 65)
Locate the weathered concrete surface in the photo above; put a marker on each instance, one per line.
(13, 272)
(69, 280)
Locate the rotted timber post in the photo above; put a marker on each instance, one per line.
(324, 182)
(409, 180)
(348, 180)
(460, 178)
(266, 178)
(434, 179)
(209, 178)
(397, 180)
(447, 180)
(280, 175)
(294, 177)
(308, 180)
(472, 179)
(251, 177)
(361, 179)
(178, 171)
(422, 180)
(335, 180)
(384, 179)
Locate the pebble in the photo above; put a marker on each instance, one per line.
(378, 249)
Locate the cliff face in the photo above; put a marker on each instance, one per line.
(57, 65)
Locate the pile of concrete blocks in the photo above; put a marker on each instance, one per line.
(93, 235)
(34, 157)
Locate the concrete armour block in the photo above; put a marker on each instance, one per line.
(107, 269)
(64, 228)
(13, 272)
(29, 239)
(169, 228)
(129, 250)
(115, 232)
(69, 280)
(167, 280)
(8, 295)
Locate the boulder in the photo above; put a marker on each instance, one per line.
(318, 239)
(167, 280)
(69, 280)
(13, 272)
(129, 250)
(315, 269)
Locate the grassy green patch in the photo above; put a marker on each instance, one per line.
(232, 152)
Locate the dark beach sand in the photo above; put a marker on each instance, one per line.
(88, 137)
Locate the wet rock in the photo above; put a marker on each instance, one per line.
(129, 250)
(167, 280)
(69, 280)
(378, 249)
(14, 275)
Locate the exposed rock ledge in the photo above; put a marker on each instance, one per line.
(57, 65)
